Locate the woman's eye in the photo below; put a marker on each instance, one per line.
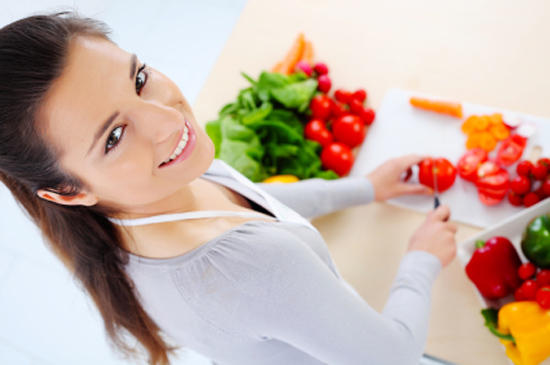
(113, 142)
(141, 79)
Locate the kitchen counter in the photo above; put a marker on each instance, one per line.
(487, 52)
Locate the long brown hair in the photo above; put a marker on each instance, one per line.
(33, 52)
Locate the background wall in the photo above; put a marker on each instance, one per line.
(45, 318)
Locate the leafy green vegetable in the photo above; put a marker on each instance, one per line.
(262, 134)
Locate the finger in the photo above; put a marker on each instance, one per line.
(414, 189)
(410, 160)
(442, 213)
(452, 227)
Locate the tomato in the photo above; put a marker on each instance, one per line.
(527, 270)
(321, 106)
(360, 95)
(324, 83)
(543, 277)
(539, 171)
(515, 199)
(492, 176)
(356, 106)
(349, 129)
(527, 290)
(469, 162)
(445, 173)
(531, 199)
(488, 200)
(342, 96)
(520, 185)
(339, 109)
(511, 149)
(338, 157)
(316, 130)
(367, 116)
(543, 297)
(321, 68)
(524, 168)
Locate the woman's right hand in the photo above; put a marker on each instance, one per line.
(436, 236)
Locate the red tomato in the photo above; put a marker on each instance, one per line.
(488, 200)
(544, 161)
(360, 95)
(515, 199)
(543, 277)
(469, 162)
(355, 106)
(338, 157)
(527, 290)
(349, 129)
(526, 270)
(342, 96)
(524, 168)
(321, 68)
(530, 199)
(539, 171)
(367, 116)
(492, 176)
(321, 106)
(316, 130)
(543, 297)
(339, 109)
(445, 173)
(324, 83)
(511, 149)
(520, 185)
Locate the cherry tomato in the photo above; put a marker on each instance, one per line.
(360, 95)
(543, 277)
(543, 297)
(316, 130)
(321, 68)
(540, 192)
(324, 83)
(469, 162)
(339, 109)
(539, 171)
(342, 96)
(527, 290)
(356, 106)
(321, 106)
(349, 129)
(527, 270)
(530, 199)
(511, 149)
(545, 161)
(337, 157)
(367, 116)
(524, 168)
(520, 185)
(445, 173)
(515, 199)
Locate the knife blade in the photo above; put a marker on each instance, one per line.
(436, 191)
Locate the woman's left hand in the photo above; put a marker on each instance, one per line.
(387, 178)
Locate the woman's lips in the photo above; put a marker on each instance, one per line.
(186, 150)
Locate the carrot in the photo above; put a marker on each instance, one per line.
(473, 140)
(293, 55)
(454, 109)
(308, 53)
(499, 131)
(482, 122)
(487, 141)
(468, 125)
(277, 67)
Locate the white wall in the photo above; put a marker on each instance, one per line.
(44, 316)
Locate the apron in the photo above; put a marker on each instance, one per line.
(281, 212)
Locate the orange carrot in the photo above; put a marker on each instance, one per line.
(293, 55)
(454, 109)
(308, 53)
(277, 67)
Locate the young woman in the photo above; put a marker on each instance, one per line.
(174, 246)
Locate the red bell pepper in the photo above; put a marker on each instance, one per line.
(493, 268)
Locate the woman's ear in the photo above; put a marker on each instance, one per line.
(83, 198)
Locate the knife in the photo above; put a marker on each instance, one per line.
(436, 191)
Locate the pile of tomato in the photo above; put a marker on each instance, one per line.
(339, 123)
(535, 284)
(532, 183)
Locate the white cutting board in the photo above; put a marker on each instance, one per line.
(401, 129)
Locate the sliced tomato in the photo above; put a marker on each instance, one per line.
(498, 194)
(492, 183)
(444, 169)
(487, 199)
(511, 149)
(469, 162)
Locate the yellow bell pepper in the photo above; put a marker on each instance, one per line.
(281, 179)
(529, 325)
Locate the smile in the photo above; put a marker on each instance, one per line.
(184, 147)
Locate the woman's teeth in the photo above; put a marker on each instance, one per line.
(181, 145)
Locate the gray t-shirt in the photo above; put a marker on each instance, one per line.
(268, 293)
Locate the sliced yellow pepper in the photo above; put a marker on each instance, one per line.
(281, 179)
(529, 324)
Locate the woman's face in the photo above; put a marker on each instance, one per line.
(114, 123)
